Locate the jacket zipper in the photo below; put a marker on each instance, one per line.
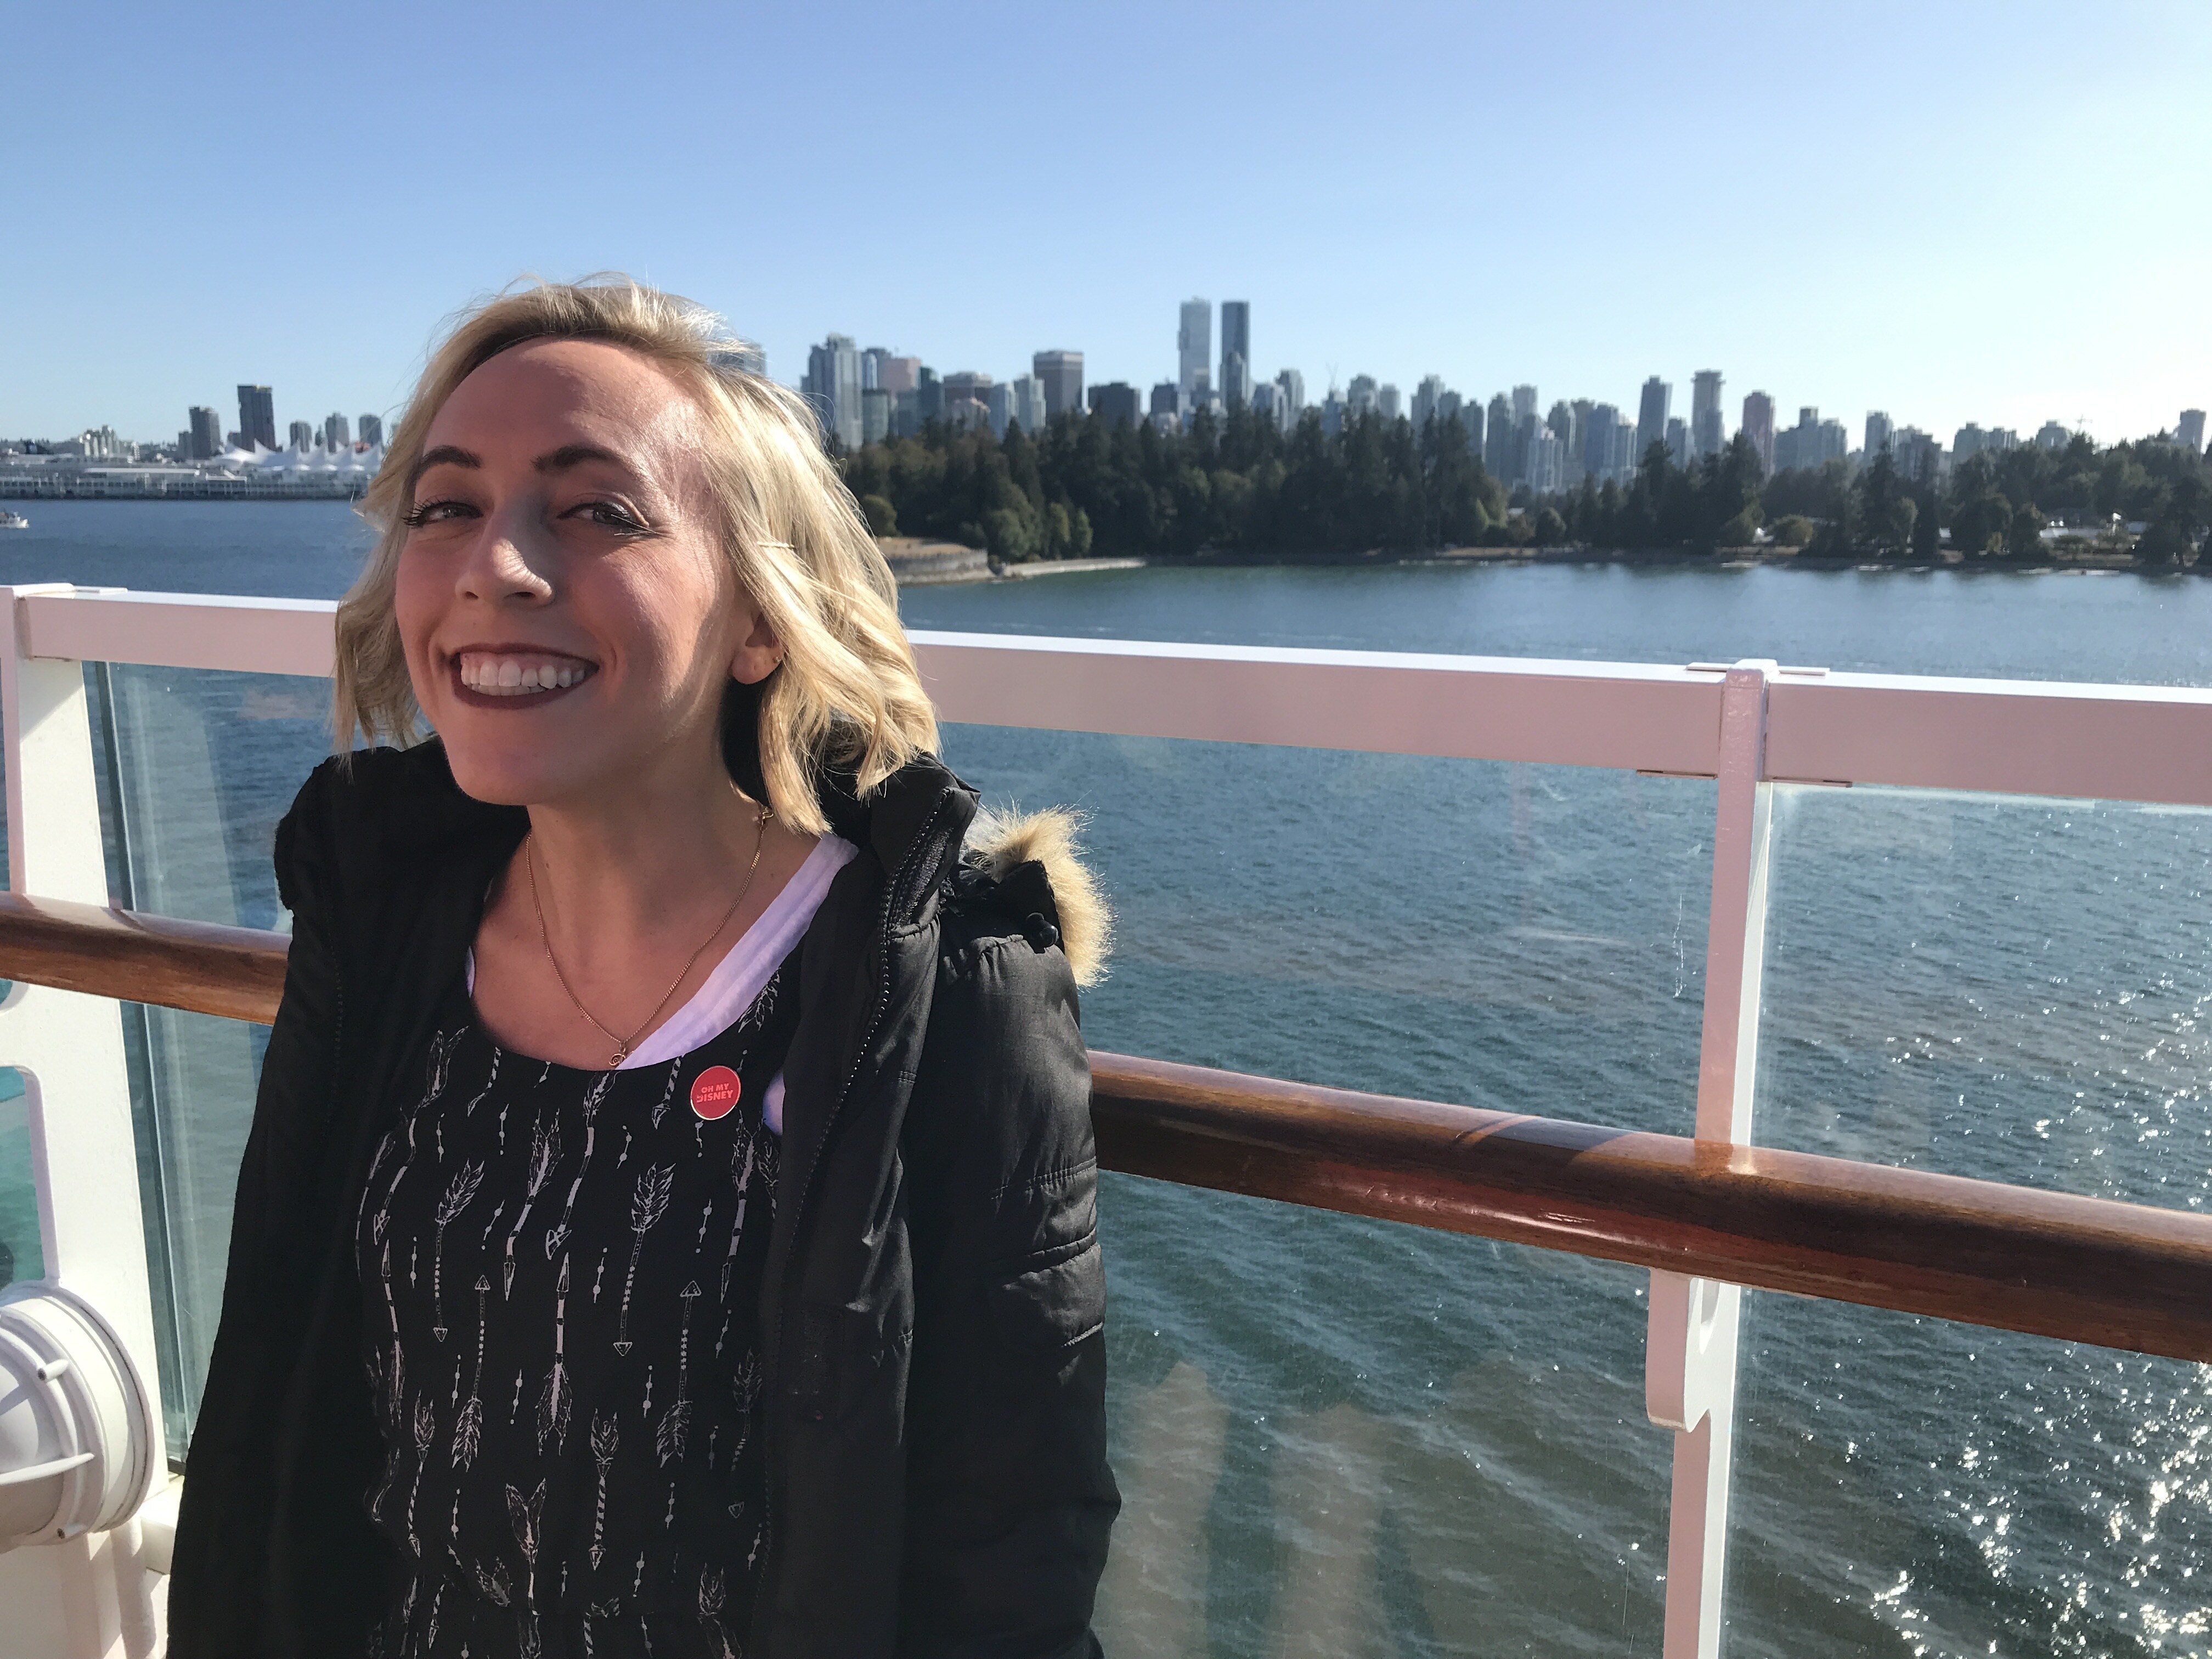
(765, 1599)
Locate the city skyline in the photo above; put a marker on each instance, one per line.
(1948, 267)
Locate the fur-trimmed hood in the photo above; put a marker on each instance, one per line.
(999, 844)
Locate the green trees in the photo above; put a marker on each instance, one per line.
(1240, 485)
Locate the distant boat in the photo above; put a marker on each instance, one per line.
(13, 520)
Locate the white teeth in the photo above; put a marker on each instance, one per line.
(512, 676)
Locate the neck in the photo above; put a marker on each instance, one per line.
(645, 858)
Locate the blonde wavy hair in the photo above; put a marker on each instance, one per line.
(845, 694)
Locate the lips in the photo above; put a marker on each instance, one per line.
(508, 675)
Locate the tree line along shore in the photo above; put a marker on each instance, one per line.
(1239, 487)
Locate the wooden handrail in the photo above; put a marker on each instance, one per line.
(2078, 1269)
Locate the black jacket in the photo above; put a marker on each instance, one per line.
(932, 1318)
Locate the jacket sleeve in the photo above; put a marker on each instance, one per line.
(218, 1589)
(1009, 1498)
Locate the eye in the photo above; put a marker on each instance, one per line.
(608, 515)
(436, 511)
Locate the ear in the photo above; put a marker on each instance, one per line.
(759, 652)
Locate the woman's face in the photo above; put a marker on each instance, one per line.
(570, 619)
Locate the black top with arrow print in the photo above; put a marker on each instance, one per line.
(606, 1521)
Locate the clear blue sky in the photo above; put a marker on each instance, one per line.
(1952, 211)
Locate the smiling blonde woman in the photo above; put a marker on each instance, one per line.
(667, 1226)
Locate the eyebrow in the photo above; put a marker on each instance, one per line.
(443, 455)
(569, 455)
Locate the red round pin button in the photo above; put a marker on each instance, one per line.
(715, 1092)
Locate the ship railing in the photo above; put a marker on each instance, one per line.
(1706, 1213)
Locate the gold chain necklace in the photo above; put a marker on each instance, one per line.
(624, 1044)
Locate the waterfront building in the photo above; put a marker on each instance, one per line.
(1028, 405)
(833, 386)
(1758, 427)
(1971, 440)
(205, 434)
(1266, 403)
(897, 374)
(1627, 459)
(875, 414)
(1578, 446)
(1598, 445)
(1426, 395)
(1651, 415)
(337, 434)
(1543, 458)
(1708, 427)
(1194, 345)
(2190, 433)
(1236, 352)
(1812, 443)
(1359, 398)
(1386, 402)
(1920, 457)
(1881, 434)
(965, 412)
(1115, 404)
(300, 436)
(256, 416)
(1060, 374)
(370, 429)
(1497, 445)
(964, 384)
(1293, 385)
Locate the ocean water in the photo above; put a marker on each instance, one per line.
(1337, 1437)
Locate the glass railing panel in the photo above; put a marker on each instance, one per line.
(1526, 937)
(22, 1254)
(195, 768)
(1999, 987)
(1336, 1437)
(1906, 1485)
(1344, 1436)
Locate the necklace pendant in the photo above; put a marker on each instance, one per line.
(622, 1053)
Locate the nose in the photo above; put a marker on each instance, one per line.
(506, 563)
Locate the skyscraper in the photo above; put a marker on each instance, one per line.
(335, 435)
(1236, 352)
(1598, 442)
(1195, 346)
(1524, 402)
(256, 416)
(206, 433)
(1651, 415)
(1880, 433)
(1115, 404)
(1294, 393)
(1387, 401)
(371, 427)
(2189, 434)
(1426, 396)
(1061, 373)
(300, 436)
(1360, 396)
(1758, 427)
(833, 386)
(1708, 430)
(1497, 445)
(1678, 441)
(1029, 403)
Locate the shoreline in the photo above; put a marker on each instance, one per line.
(957, 564)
